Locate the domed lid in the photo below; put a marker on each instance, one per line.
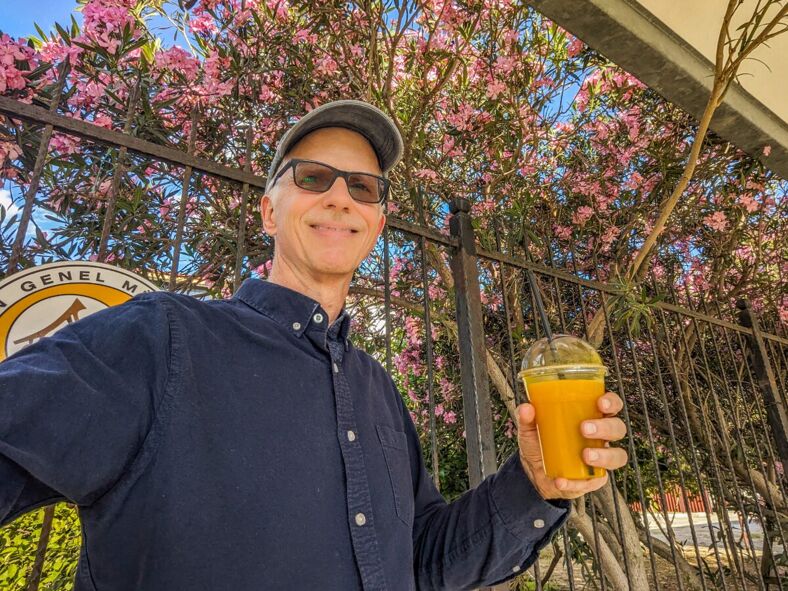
(563, 352)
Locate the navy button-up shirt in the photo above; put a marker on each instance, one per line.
(245, 444)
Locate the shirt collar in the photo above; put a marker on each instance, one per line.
(293, 310)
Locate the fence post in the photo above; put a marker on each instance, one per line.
(772, 397)
(479, 433)
(473, 368)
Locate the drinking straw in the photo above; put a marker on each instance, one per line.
(540, 307)
(543, 316)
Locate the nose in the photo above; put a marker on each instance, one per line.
(338, 196)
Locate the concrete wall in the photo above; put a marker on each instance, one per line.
(670, 45)
(698, 22)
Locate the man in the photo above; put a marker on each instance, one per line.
(246, 444)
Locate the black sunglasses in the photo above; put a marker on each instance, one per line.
(319, 178)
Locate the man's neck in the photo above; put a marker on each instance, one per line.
(329, 293)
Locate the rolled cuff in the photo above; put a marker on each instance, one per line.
(522, 509)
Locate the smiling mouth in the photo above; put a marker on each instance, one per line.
(337, 229)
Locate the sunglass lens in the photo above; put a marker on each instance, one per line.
(364, 187)
(313, 177)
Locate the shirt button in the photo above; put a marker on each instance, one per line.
(336, 369)
(296, 325)
(318, 318)
(539, 524)
(351, 436)
(360, 519)
(516, 569)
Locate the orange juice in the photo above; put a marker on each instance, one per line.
(561, 406)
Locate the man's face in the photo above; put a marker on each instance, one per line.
(324, 235)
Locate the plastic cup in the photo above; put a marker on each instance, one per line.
(564, 378)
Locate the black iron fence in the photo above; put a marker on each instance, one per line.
(705, 389)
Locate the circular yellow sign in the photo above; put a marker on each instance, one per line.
(36, 302)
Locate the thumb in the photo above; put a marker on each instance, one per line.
(526, 417)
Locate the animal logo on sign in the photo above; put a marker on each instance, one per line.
(36, 302)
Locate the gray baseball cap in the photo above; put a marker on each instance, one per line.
(357, 116)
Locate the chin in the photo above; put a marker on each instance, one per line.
(336, 267)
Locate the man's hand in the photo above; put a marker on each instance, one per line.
(608, 429)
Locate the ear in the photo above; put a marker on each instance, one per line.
(267, 215)
(381, 223)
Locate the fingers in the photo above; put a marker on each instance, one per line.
(609, 429)
(571, 489)
(610, 403)
(610, 458)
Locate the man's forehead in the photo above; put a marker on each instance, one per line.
(323, 140)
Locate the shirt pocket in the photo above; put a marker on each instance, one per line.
(395, 451)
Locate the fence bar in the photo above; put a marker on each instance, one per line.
(628, 422)
(480, 440)
(417, 230)
(605, 288)
(722, 511)
(507, 311)
(726, 447)
(749, 473)
(660, 487)
(100, 135)
(704, 495)
(570, 572)
(667, 342)
(34, 579)
(596, 564)
(425, 291)
(38, 169)
(187, 177)
(740, 440)
(119, 170)
(773, 401)
(779, 361)
(241, 239)
(779, 481)
(387, 295)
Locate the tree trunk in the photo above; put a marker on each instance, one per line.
(610, 566)
(603, 498)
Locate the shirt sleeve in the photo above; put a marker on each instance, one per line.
(75, 407)
(488, 535)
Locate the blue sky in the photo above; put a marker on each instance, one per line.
(17, 16)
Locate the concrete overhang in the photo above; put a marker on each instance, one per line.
(663, 58)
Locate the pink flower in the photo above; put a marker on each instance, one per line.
(203, 24)
(716, 221)
(426, 173)
(10, 151)
(63, 144)
(505, 64)
(562, 232)
(495, 88)
(449, 148)
(749, 203)
(326, 65)
(11, 78)
(767, 150)
(609, 236)
(265, 269)
(280, 8)
(574, 47)
(582, 215)
(304, 35)
(450, 417)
